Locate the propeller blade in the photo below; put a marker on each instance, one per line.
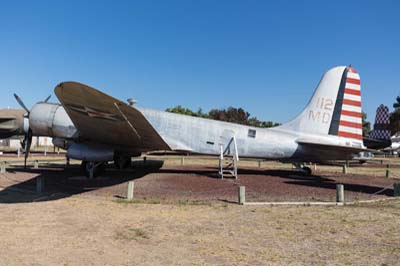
(47, 99)
(21, 103)
(28, 143)
(23, 144)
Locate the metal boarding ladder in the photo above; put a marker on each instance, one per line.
(233, 159)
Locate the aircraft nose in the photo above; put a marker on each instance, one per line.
(11, 123)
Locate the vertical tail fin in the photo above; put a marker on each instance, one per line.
(335, 107)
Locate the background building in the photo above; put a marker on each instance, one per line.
(15, 142)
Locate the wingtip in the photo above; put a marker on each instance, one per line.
(61, 86)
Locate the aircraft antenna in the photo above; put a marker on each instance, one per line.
(131, 101)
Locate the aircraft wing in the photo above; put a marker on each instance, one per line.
(6, 119)
(9, 115)
(103, 119)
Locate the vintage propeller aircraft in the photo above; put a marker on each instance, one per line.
(379, 138)
(97, 128)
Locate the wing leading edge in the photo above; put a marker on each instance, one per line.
(103, 119)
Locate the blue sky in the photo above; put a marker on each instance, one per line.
(264, 56)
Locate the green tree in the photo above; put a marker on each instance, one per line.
(200, 113)
(253, 121)
(230, 114)
(396, 105)
(366, 125)
(181, 110)
(394, 122)
(394, 125)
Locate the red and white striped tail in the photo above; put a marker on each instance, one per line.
(350, 123)
(334, 108)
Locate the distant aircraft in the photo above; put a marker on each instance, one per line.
(379, 138)
(395, 144)
(96, 128)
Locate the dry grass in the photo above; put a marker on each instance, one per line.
(91, 230)
(94, 231)
(131, 234)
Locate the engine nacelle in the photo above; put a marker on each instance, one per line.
(90, 152)
(51, 120)
(62, 143)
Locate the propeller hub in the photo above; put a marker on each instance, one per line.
(26, 124)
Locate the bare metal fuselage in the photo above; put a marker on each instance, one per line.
(194, 135)
(205, 136)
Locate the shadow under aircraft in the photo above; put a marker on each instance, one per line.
(63, 182)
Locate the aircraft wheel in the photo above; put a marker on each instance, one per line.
(306, 170)
(122, 162)
(101, 168)
(83, 165)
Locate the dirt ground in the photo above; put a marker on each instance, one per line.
(198, 181)
(185, 215)
(89, 230)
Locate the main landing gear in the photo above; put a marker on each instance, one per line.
(303, 169)
(122, 162)
(306, 170)
(93, 169)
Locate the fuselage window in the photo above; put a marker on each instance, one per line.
(252, 133)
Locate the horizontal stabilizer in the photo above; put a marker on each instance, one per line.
(345, 149)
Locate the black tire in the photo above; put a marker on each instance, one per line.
(307, 171)
(100, 169)
(122, 162)
(83, 165)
